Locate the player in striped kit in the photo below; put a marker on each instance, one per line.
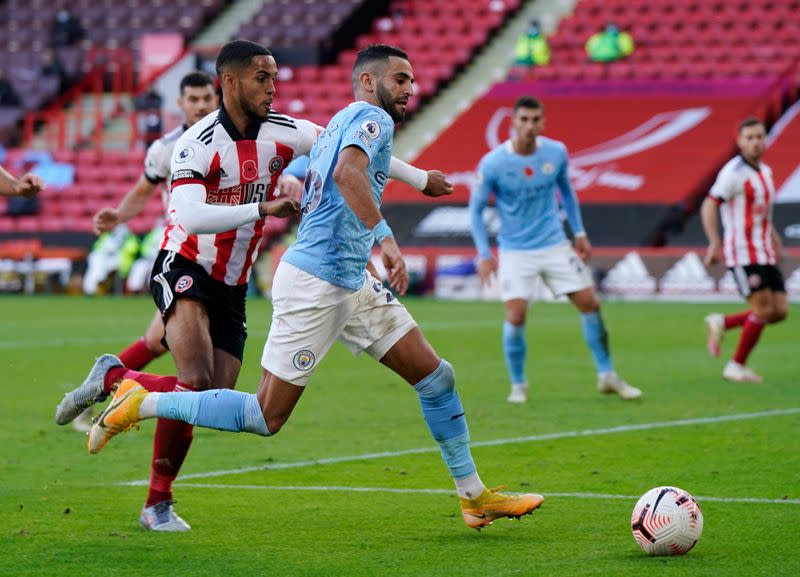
(744, 193)
(224, 172)
(197, 98)
(322, 293)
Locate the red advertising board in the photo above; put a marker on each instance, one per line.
(632, 143)
(783, 155)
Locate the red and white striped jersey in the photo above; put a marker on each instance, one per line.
(235, 169)
(158, 158)
(746, 196)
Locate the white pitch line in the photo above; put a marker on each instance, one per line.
(343, 489)
(495, 442)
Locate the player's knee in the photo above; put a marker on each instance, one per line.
(589, 305)
(779, 314)
(153, 344)
(199, 378)
(516, 318)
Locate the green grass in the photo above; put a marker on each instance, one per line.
(64, 512)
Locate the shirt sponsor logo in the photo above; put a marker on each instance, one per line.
(304, 360)
(180, 174)
(185, 155)
(363, 138)
(184, 283)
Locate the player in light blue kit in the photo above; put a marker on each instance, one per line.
(321, 293)
(524, 174)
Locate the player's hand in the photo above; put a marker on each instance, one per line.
(290, 187)
(280, 207)
(28, 185)
(394, 264)
(713, 254)
(583, 248)
(438, 185)
(104, 220)
(487, 269)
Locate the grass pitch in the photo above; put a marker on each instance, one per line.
(354, 486)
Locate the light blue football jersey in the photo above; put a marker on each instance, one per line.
(525, 189)
(332, 242)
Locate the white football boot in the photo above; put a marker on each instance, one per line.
(162, 517)
(611, 382)
(518, 394)
(738, 373)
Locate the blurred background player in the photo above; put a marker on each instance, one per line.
(197, 99)
(745, 193)
(525, 174)
(322, 293)
(223, 171)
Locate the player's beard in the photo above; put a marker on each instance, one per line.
(254, 113)
(389, 104)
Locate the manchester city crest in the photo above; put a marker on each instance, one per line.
(304, 360)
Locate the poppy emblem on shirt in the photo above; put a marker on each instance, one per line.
(529, 172)
(548, 168)
(184, 283)
(304, 360)
(249, 170)
(275, 164)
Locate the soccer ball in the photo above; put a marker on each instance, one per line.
(666, 521)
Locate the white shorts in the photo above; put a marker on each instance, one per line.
(559, 267)
(309, 314)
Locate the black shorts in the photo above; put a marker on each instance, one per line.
(755, 277)
(174, 277)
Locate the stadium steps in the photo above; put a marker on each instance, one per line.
(474, 81)
(81, 129)
(225, 26)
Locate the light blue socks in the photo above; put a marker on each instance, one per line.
(444, 414)
(596, 337)
(515, 349)
(221, 409)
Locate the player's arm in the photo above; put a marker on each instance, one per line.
(709, 216)
(569, 200)
(131, 205)
(777, 243)
(26, 185)
(352, 179)
(478, 200)
(431, 183)
(723, 189)
(188, 207)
